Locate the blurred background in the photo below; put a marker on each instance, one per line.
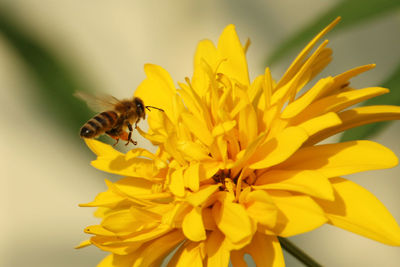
(49, 49)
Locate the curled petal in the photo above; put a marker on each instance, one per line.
(192, 225)
(191, 177)
(232, 219)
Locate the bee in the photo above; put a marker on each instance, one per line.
(118, 119)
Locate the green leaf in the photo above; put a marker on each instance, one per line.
(55, 81)
(352, 13)
(392, 98)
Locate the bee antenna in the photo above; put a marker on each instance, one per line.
(148, 108)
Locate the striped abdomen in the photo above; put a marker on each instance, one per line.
(99, 124)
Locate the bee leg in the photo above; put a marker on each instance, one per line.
(113, 135)
(129, 139)
(117, 140)
(137, 121)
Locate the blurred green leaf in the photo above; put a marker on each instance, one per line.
(392, 98)
(351, 11)
(56, 81)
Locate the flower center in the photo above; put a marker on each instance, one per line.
(238, 182)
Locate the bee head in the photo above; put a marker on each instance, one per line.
(139, 107)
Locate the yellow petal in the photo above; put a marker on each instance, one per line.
(114, 245)
(311, 183)
(198, 128)
(84, 244)
(191, 177)
(123, 222)
(357, 210)
(192, 104)
(260, 207)
(113, 161)
(323, 60)
(342, 79)
(304, 101)
(223, 128)
(338, 102)
(146, 235)
(192, 151)
(230, 48)
(157, 89)
(232, 219)
(217, 251)
(205, 52)
(160, 125)
(300, 79)
(198, 198)
(278, 149)
(139, 152)
(134, 187)
(341, 159)
(244, 155)
(154, 251)
(297, 63)
(101, 149)
(189, 254)
(320, 123)
(113, 260)
(139, 167)
(209, 168)
(248, 126)
(98, 230)
(255, 91)
(265, 251)
(356, 117)
(297, 214)
(105, 199)
(176, 185)
(192, 225)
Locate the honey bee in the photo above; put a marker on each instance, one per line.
(118, 118)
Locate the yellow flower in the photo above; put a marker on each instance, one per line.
(238, 163)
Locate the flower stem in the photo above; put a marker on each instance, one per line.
(298, 253)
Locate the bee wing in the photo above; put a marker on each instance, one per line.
(99, 102)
